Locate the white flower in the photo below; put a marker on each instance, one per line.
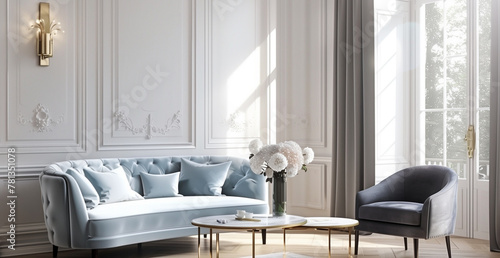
(256, 164)
(308, 155)
(267, 151)
(292, 173)
(287, 156)
(255, 146)
(293, 154)
(257, 161)
(277, 162)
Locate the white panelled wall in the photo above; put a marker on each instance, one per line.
(305, 110)
(150, 78)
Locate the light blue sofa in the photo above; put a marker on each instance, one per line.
(71, 225)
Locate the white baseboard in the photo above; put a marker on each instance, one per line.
(29, 239)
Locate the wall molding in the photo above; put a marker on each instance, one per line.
(287, 121)
(27, 172)
(121, 130)
(316, 201)
(318, 172)
(241, 127)
(46, 139)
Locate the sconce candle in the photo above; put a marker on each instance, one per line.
(45, 34)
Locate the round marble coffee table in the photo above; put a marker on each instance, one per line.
(257, 223)
(331, 223)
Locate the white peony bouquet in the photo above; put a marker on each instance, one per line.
(283, 159)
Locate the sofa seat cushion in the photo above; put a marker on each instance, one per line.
(137, 217)
(399, 212)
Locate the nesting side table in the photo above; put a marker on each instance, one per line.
(330, 223)
(231, 224)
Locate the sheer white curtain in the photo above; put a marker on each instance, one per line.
(354, 110)
(495, 130)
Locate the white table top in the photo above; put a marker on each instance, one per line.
(286, 221)
(330, 222)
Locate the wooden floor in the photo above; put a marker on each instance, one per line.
(298, 244)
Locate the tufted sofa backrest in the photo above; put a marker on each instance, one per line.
(240, 180)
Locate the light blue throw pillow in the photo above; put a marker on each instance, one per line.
(156, 186)
(112, 186)
(202, 179)
(89, 193)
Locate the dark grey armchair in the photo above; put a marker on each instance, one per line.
(417, 202)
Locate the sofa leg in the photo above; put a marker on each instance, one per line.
(356, 241)
(94, 253)
(415, 247)
(54, 251)
(406, 243)
(448, 246)
(264, 236)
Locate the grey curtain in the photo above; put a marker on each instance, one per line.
(495, 130)
(354, 110)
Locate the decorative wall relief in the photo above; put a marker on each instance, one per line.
(238, 122)
(149, 129)
(41, 120)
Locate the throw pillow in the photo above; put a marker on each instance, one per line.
(160, 185)
(112, 186)
(89, 193)
(202, 179)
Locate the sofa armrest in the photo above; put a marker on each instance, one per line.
(439, 211)
(64, 209)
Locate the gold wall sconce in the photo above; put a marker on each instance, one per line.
(46, 30)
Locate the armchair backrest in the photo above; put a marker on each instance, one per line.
(420, 182)
(415, 184)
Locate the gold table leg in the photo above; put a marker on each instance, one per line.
(199, 242)
(217, 243)
(210, 243)
(284, 241)
(253, 243)
(329, 242)
(350, 228)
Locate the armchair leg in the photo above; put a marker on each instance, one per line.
(448, 246)
(415, 247)
(356, 241)
(94, 253)
(54, 251)
(264, 231)
(406, 243)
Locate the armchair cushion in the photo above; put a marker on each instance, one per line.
(399, 212)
